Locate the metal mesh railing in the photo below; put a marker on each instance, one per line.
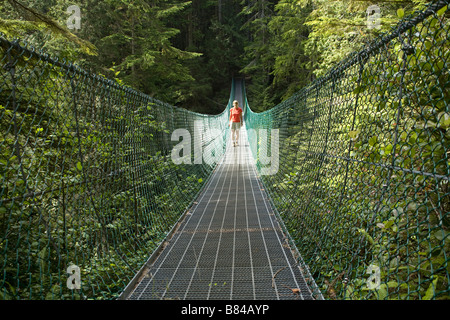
(362, 182)
(87, 177)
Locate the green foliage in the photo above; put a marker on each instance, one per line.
(364, 169)
(23, 18)
(291, 71)
(85, 167)
(86, 176)
(421, 146)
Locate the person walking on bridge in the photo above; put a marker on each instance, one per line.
(235, 122)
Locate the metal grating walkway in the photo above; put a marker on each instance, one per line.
(229, 246)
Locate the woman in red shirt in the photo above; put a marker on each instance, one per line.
(235, 122)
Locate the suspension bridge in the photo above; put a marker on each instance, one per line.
(231, 246)
(348, 200)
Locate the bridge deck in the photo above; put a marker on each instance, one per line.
(230, 246)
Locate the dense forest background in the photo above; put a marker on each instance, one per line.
(186, 52)
(77, 179)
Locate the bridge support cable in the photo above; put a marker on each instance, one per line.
(339, 192)
(364, 165)
(88, 180)
(230, 245)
